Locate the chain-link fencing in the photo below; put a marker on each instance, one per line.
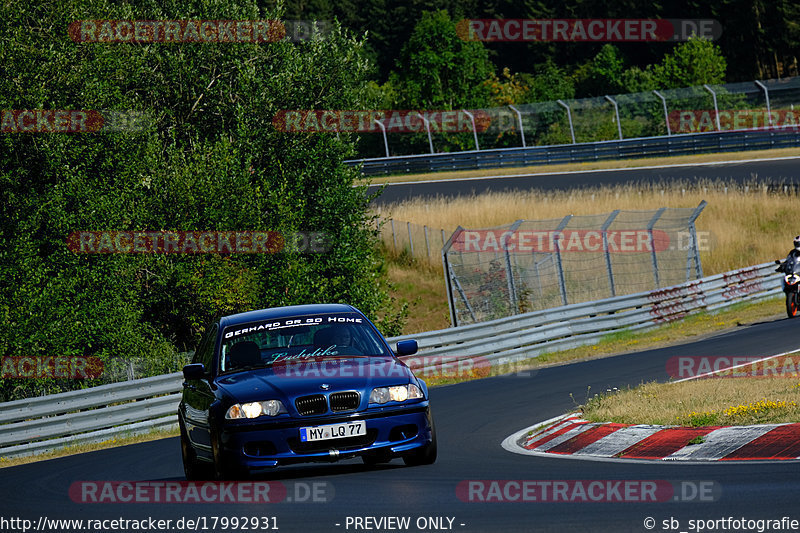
(539, 264)
(752, 105)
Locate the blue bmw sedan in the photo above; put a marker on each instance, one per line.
(300, 384)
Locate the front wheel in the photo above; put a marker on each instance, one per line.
(193, 468)
(791, 304)
(222, 468)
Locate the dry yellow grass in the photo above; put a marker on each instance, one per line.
(747, 225)
(705, 402)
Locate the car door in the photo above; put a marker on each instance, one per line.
(198, 395)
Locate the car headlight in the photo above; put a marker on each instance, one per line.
(399, 393)
(255, 409)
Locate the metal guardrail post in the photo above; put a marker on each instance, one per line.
(604, 229)
(716, 109)
(383, 130)
(519, 119)
(653, 244)
(766, 96)
(428, 129)
(512, 286)
(698, 267)
(666, 113)
(616, 113)
(559, 266)
(569, 118)
(474, 131)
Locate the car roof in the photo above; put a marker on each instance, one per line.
(283, 312)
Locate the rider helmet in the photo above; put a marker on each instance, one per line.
(797, 243)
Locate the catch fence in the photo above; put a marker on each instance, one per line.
(532, 265)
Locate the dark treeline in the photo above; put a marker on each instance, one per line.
(760, 38)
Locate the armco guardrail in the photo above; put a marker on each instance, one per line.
(45, 423)
(37, 425)
(512, 339)
(733, 141)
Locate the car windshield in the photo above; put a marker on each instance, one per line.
(297, 338)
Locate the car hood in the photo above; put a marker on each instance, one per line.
(288, 380)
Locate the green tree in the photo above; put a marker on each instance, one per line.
(548, 83)
(207, 158)
(439, 70)
(602, 75)
(695, 62)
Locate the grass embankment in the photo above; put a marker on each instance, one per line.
(745, 226)
(705, 402)
(578, 167)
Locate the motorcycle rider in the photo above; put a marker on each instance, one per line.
(790, 267)
(792, 257)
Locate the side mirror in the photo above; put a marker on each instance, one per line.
(408, 347)
(194, 371)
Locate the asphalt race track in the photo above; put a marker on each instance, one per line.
(472, 420)
(778, 171)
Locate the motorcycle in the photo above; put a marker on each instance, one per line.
(791, 283)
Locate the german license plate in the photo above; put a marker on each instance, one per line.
(333, 431)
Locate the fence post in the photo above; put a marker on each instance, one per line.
(448, 282)
(604, 229)
(652, 244)
(428, 129)
(694, 250)
(519, 119)
(383, 130)
(666, 113)
(766, 95)
(394, 238)
(559, 266)
(451, 279)
(716, 110)
(616, 113)
(410, 239)
(569, 118)
(512, 286)
(474, 131)
(427, 245)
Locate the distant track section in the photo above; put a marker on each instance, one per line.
(664, 146)
(773, 172)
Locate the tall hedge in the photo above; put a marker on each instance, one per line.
(205, 157)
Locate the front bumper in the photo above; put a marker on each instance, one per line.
(390, 433)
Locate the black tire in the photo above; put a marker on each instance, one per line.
(425, 455)
(222, 469)
(373, 460)
(791, 304)
(193, 468)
